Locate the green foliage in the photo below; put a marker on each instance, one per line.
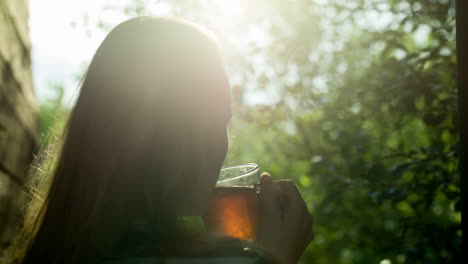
(52, 115)
(374, 150)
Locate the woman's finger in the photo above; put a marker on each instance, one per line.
(265, 178)
(294, 198)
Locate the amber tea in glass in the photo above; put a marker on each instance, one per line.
(234, 207)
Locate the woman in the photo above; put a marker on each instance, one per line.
(143, 147)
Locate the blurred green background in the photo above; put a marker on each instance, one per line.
(354, 100)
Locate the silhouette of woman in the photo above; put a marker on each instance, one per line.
(142, 148)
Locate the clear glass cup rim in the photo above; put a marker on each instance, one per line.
(254, 167)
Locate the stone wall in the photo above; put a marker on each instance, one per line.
(18, 110)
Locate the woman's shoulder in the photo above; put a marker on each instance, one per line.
(225, 253)
(187, 249)
(231, 256)
(188, 260)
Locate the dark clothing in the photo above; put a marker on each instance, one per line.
(225, 256)
(137, 247)
(216, 260)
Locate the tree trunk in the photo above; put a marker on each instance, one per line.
(18, 111)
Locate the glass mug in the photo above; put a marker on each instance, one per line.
(234, 207)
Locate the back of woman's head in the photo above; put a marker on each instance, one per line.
(148, 126)
(154, 93)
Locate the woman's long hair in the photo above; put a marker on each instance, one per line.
(144, 129)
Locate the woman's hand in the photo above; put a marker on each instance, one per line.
(285, 227)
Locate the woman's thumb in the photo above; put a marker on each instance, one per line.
(265, 178)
